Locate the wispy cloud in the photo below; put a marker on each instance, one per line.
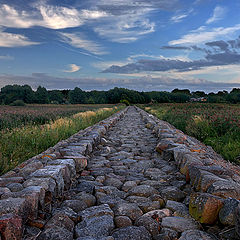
(218, 14)
(72, 68)
(203, 34)
(14, 40)
(125, 28)
(78, 40)
(178, 18)
(6, 57)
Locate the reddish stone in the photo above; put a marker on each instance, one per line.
(205, 207)
(85, 173)
(11, 227)
(38, 223)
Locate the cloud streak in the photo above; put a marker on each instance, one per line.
(78, 40)
(218, 14)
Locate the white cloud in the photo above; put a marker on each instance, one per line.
(14, 40)
(54, 17)
(72, 68)
(125, 28)
(218, 14)
(202, 35)
(178, 18)
(78, 40)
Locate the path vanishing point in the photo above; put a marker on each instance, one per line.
(130, 177)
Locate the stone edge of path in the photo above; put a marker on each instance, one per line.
(44, 177)
(216, 182)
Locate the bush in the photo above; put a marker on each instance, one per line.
(17, 103)
(125, 101)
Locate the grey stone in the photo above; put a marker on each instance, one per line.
(226, 213)
(166, 234)
(68, 212)
(113, 182)
(75, 205)
(54, 172)
(143, 191)
(15, 187)
(86, 186)
(110, 190)
(128, 185)
(172, 193)
(180, 224)
(69, 162)
(131, 233)
(98, 226)
(128, 209)
(122, 221)
(149, 223)
(55, 233)
(96, 211)
(196, 235)
(237, 220)
(89, 199)
(112, 201)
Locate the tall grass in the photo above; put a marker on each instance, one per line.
(20, 144)
(217, 125)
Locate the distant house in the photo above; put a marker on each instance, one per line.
(200, 99)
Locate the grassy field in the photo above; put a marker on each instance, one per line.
(217, 125)
(35, 114)
(34, 128)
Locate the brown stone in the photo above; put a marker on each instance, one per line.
(38, 223)
(11, 227)
(15, 206)
(34, 196)
(205, 207)
(5, 181)
(60, 220)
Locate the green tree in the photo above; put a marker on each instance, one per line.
(77, 96)
(42, 95)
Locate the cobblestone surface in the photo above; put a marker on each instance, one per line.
(127, 192)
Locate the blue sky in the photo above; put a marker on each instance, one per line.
(138, 44)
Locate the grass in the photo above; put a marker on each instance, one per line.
(217, 125)
(35, 114)
(20, 144)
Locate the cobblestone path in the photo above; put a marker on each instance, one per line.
(127, 192)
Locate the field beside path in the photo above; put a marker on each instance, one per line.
(29, 130)
(216, 125)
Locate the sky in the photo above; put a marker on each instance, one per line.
(146, 45)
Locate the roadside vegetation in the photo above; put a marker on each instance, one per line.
(217, 125)
(32, 137)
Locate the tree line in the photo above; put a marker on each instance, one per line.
(11, 94)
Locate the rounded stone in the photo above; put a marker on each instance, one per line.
(132, 233)
(122, 221)
(143, 191)
(15, 187)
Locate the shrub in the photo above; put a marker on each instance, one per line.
(125, 101)
(17, 103)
